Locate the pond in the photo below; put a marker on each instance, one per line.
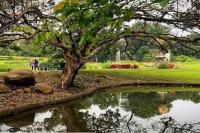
(121, 110)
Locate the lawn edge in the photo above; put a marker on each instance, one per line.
(87, 92)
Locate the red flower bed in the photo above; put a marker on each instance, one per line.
(123, 66)
(120, 66)
(171, 66)
(114, 66)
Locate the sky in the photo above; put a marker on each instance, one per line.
(57, 1)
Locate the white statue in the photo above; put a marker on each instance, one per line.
(164, 56)
(118, 56)
(168, 55)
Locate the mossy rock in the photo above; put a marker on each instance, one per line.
(20, 78)
(44, 88)
(40, 77)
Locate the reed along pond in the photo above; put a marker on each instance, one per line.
(123, 110)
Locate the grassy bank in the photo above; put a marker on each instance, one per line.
(90, 83)
(188, 72)
(175, 75)
(142, 65)
(8, 63)
(185, 71)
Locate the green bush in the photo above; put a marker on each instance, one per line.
(93, 66)
(184, 58)
(9, 58)
(52, 65)
(83, 67)
(163, 66)
(148, 57)
(105, 66)
(3, 57)
(55, 62)
(5, 69)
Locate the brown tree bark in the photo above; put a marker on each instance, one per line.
(73, 119)
(73, 64)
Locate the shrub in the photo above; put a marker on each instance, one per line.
(52, 65)
(126, 66)
(134, 66)
(9, 58)
(120, 66)
(148, 57)
(105, 66)
(166, 66)
(3, 57)
(93, 66)
(83, 67)
(171, 66)
(5, 69)
(115, 66)
(163, 66)
(183, 58)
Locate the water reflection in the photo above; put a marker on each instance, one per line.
(107, 112)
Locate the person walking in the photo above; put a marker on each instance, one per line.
(36, 64)
(32, 64)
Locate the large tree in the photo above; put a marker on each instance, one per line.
(15, 13)
(82, 28)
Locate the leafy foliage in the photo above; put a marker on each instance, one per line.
(184, 58)
(55, 62)
(162, 2)
(163, 66)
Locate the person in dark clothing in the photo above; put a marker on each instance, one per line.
(32, 64)
(36, 64)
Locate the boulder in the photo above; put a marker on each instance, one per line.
(20, 78)
(43, 88)
(3, 88)
(40, 77)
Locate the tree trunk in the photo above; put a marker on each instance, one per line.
(70, 70)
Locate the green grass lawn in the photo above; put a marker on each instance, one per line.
(185, 72)
(8, 63)
(143, 65)
(175, 75)
(147, 89)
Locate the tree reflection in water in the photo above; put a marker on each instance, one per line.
(132, 112)
(169, 125)
(107, 122)
(111, 121)
(1, 127)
